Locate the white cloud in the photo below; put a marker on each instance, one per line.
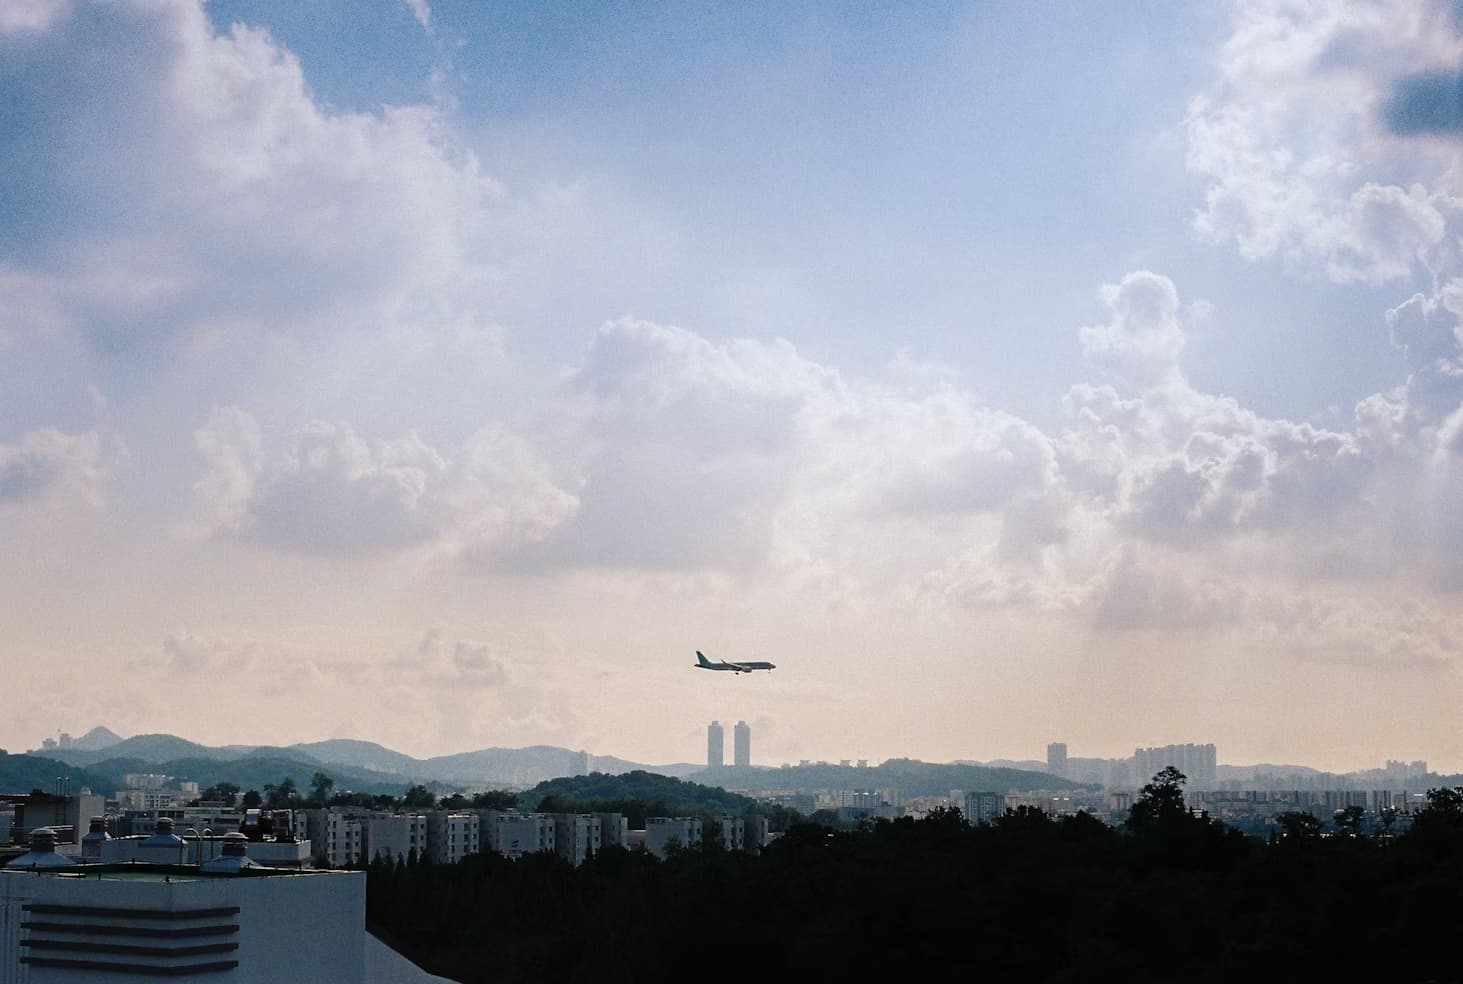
(332, 492)
(1300, 161)
(48, 463)
(422, 12)
(231, 447)
(28, 16)
(1142, 344)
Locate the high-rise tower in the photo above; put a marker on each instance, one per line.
(1056, 758)
(742, 745)
(715, 746)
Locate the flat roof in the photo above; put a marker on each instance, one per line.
(144, 871)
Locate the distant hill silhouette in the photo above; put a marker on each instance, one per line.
(909, 776)
(365, 766)
(96, 739)
(23, 773)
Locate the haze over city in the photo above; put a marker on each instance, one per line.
(446, 374)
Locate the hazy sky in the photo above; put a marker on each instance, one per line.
(446, 374)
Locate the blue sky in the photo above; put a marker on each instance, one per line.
(1005, 372)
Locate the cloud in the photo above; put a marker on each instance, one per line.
(1139, 594)
(332, 492)
(459, 666)
(232, 450)
(31, 16)
(49, 462)
(230, 201)
(1142, 343)
(1292, 141)
(422, 12)
(686, 448)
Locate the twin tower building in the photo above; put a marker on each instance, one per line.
(716, 745)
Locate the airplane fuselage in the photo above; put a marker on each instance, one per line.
(745, 666)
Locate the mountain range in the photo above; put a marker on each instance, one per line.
(364, 766)
(368, 763)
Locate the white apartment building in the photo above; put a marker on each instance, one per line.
(614, 830)
(514, 834)
(337, 835)
(576, 835)
(733, 833)
(400, 836)
(984, 807)
(756, 832)
(662, 832)
(453, 836)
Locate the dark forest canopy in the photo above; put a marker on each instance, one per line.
(636, 794)
(1170, 896)
(910, 777)
(22, 773)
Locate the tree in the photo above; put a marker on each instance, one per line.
(1298, 825)
(1442, 818)
(419, 798)
(221, 792)
(1161, 801)
(282, 795)
(252, 799)
(1348, 821)
(321, 786)
(495, 799)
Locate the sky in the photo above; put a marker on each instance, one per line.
(445, 374)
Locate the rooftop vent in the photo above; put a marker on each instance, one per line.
(232, 860)
(42, 852)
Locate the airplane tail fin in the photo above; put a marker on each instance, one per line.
(702, 660)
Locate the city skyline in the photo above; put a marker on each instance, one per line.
(447, 374)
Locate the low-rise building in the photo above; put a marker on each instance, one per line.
(514, 834)
(337, 835)
(399, 837)
(614, 830)
(984, 807)
(576, 836)
(663, 832)
(452, 836)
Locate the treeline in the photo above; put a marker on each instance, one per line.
(23, 773)
(641, 794)
(1170, 896)
(635, 794)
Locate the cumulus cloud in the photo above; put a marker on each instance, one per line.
(49, 462)
(28, 16)
(235, 202)
(456, 666)
(1142, 343)
(330, 491)
(1299, 139)
(231, 446)
(687, 448)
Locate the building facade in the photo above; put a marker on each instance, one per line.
(136, 923)
(453, 836)
(399, 837)
(514, 834)
(715, 746)
(663, 832)
(577, 836)
(984, 807)
(742, 745)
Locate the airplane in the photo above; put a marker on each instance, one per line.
(746, 666)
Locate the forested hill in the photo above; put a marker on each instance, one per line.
(636, 794)
(22, 773)
(909, 777)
